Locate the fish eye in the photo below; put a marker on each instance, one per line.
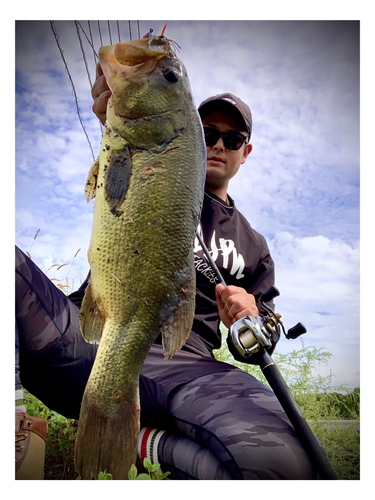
(170, 75)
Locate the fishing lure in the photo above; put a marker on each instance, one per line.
(149, 33)
(150, 36)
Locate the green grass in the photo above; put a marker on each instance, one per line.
(61, 433)
(342, 444)
(342, 447)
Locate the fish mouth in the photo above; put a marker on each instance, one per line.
(135, 53)
(133, 58)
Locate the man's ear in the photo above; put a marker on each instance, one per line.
(247, 150)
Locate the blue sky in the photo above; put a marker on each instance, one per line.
(300, 187)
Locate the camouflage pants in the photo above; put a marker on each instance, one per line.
(242, 424)
(220, 422)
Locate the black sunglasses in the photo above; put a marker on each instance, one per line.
(232, 140)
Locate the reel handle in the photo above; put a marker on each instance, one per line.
(296, 331)
(269, 294)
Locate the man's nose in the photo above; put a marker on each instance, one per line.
(219, 144)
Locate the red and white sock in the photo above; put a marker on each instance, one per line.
(148, 441)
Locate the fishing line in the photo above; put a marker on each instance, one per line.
(109, 31)
(57, 38)
(100, 34)
(210, 259)
(118, 31)
(91, 41)
(216, 270)
(96, 56)
(83, 52)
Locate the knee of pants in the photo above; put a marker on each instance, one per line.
(58, 375)
(243, 424)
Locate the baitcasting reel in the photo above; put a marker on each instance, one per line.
(248, 335)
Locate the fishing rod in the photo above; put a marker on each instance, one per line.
(249, 336)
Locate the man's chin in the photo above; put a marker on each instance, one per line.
(215, 171)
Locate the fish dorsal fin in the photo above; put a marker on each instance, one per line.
(90, 187)
(176, 330)
(90, 321)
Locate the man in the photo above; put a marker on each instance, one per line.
(200, 418)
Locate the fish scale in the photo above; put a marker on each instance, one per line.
(148, 187)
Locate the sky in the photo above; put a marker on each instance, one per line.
(300, 186)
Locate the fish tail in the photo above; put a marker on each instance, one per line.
(107, 442)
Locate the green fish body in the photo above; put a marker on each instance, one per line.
(148, 187)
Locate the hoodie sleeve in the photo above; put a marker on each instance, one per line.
(262, 279)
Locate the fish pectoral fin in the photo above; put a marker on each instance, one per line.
(90, 188)
(90, 320)
(117, 178)
(176, 330)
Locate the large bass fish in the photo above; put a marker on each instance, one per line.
(148, 187)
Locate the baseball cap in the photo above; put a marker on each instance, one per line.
(232, 100)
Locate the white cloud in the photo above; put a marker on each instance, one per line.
(322, 272)
(318, 279)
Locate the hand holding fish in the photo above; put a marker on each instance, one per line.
(100, 93)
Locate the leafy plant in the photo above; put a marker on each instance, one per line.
(104, 476)
(61, 434)
(317, 396)
(153, 471)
